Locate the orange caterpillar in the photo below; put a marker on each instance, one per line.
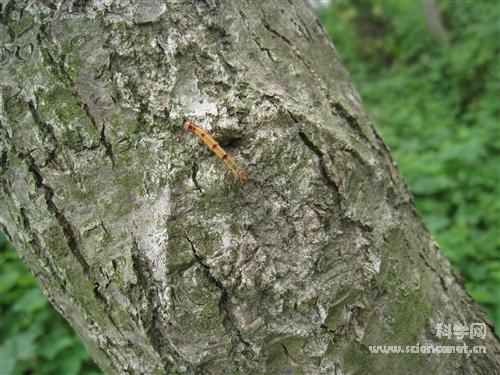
(217, 149)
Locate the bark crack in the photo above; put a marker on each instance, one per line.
(107, 146)
(3, 161)
(337, 198)
(45, 128)
(292, 359)
(264, 49)
(47, 132)
(139, 266)
(194, 173)
(68, 231)
(152, 322)
(224, 307)
(256, 39)
(339, 110)
(322, 168)
(68, 82)
(63, 222)
(35, 243)
(427, 264)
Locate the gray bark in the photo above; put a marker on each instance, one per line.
(142, 239)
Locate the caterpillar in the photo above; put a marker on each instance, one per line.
(212, 144)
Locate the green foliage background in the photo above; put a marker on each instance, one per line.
(436, 107)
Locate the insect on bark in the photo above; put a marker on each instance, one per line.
(212, 144)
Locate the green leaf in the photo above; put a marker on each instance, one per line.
(26, 347)
(8, 356)
(56, 346)
(31, 301)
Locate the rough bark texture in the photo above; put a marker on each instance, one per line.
(141, 238)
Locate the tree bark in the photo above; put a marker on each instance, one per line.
(142, 239)
(434, 21)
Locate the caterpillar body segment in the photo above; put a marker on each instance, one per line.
(212, 144)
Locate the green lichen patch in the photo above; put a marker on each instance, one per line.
(357, 359)
(396, 264)
(198, 325)
(408, 317)
(19, 24)
(279, 355)
(71, 126)
(334, 318)
(179, 255)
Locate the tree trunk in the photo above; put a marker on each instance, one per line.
(434, 21)
(160, 260)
